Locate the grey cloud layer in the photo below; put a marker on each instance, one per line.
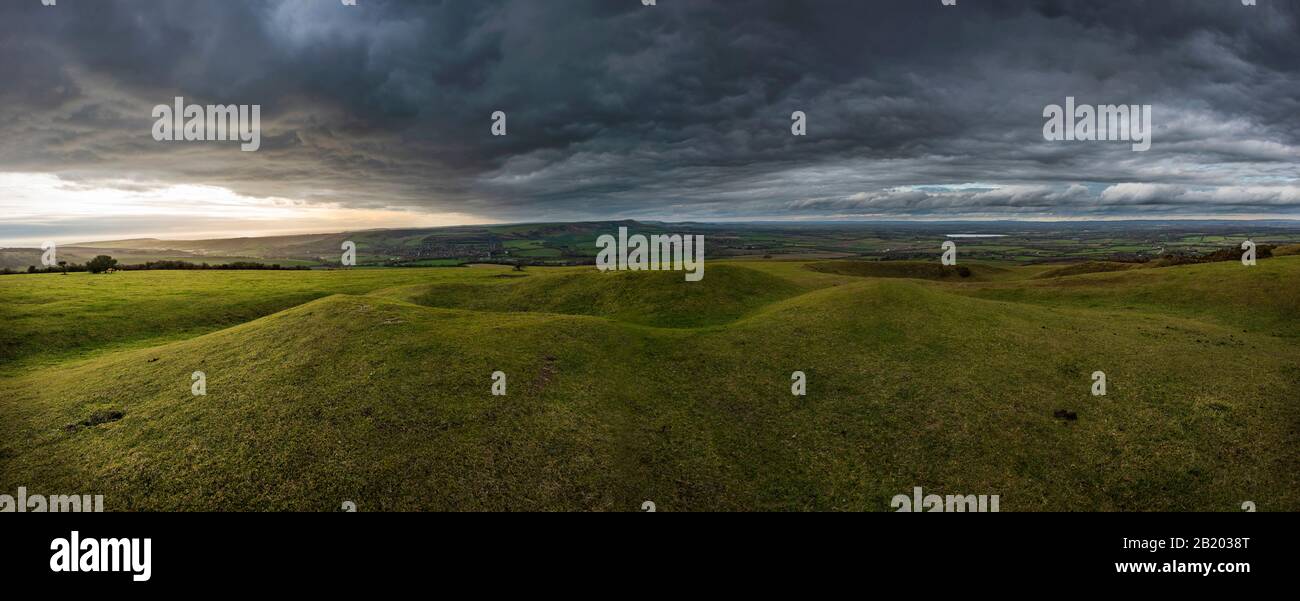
(681, 110)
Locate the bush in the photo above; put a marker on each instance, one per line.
(101, 264)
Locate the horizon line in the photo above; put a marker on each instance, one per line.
(974, 221)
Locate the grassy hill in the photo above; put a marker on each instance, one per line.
(1260, 299)
(923, 270)
(1087, 267)
(654, 298)
(52, 316)
(373, 386)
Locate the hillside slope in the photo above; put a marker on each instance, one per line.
(929, 270)
(1264, 298)
(387, 404)
(49, 317)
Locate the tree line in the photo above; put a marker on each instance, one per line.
(107, 264)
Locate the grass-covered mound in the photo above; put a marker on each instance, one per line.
(929, 270)
(653, 298)
(387, 403)
(1086, 267)
(51, 316)
(1286, 251)
(1263, 298)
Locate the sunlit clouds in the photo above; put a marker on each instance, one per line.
(39, 207)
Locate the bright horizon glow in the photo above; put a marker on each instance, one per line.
(67, 213)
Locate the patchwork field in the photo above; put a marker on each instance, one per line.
(374, 386)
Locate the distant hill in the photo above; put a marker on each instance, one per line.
(532, 242)
(1014, 243)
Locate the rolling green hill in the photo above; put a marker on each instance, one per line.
(1264, 298)
(927, 270)
(52, 316)
(1086, 267)
(655, 298)
(373, 386)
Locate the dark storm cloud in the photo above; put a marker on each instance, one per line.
(680, 110)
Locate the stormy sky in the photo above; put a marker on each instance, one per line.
(379, 115)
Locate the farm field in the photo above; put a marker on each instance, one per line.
(561, 244)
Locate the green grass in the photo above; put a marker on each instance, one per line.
(932, 270)
(1087, 267)
(653, 298)
(20, 259)
(537, 253)
(1262, 299)
(436, 263)
(374, 386)
(49, 317)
